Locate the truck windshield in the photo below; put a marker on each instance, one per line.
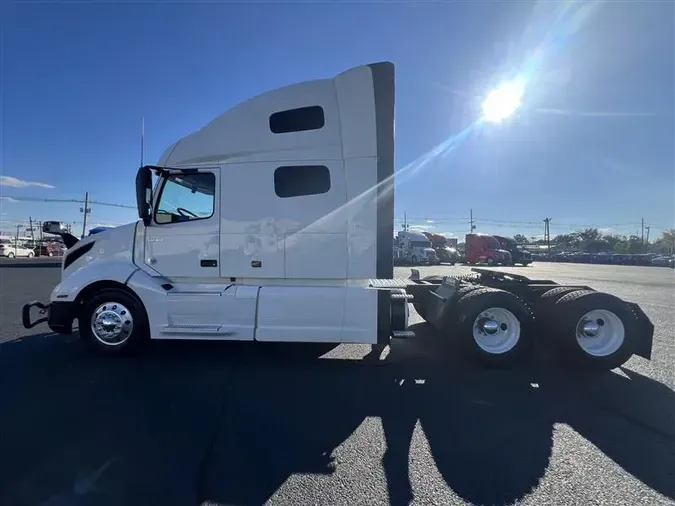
(186, 197)
(420, 244)
(494, 244)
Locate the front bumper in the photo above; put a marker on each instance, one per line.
(60, 316)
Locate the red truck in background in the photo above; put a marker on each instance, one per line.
(485, 249)
(445, 249)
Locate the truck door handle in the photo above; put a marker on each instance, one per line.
(208, 263)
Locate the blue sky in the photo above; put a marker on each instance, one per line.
(591, 146)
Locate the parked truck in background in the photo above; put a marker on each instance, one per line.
(485, 249)
(518, 254)
(445, 251)
(415, 248)
(275, 223)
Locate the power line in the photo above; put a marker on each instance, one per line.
(532, 224)
(67, 201)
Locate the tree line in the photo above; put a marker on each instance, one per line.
(591, 240)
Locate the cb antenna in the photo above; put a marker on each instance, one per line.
(142, 138)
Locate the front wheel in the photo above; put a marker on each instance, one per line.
(10, 255)
(490, 261)
(30, 254)
(494, 327)
(594, 330)
(114, 322)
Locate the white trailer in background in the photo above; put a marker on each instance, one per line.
(274, 222)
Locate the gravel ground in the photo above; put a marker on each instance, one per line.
(244, 424)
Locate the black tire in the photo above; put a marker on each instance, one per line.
(490, 261)
(116, 299)
(450, 314)
(547, 302)
(422, 299)
(10, 255)
(420, 302)
(420, 305)
(460, 321)
(567, 314)
(466, 289)
(413, 259)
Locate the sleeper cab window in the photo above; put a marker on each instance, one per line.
(301, 180)
(297, 120)
(186, 197)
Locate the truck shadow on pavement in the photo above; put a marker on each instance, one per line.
(233, 422)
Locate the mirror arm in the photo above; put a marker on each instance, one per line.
(69, 240)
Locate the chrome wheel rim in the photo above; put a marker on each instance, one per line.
(112, 324)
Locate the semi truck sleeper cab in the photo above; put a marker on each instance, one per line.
(273, 223)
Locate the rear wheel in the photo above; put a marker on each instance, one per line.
(422, 299)
(10, 255)
(594, 330)
(547, 302)
(115, 322)
(30, 254)
(420, 304)
(494, 327)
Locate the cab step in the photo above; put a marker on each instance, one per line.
(403, 334)
(194, 329)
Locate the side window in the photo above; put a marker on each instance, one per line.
(301, 180)
(186, 197)
(297, 120)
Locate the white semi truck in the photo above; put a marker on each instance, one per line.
(416, 248)
(274, 222)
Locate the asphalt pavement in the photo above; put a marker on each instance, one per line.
(246, 424)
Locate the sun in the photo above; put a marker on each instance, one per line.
(502, 102)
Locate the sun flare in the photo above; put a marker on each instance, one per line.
(502, 102)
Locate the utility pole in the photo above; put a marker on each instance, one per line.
(473, 227)
(32, 234)
(16, 242)
(405, 221)
(643, 233)
(86, 210)
(647, 243)
(547, 234)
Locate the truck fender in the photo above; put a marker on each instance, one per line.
(102, 270)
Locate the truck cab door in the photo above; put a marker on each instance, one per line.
(183, 238)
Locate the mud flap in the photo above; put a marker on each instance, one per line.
(643, 347)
